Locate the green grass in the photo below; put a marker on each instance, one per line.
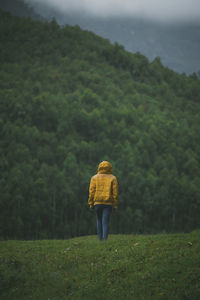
(125, 267)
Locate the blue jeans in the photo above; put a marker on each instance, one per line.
(103, 213)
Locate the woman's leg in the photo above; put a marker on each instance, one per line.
(105, 220)
(99, 210)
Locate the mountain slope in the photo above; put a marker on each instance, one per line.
(70, 99)
(177, 44)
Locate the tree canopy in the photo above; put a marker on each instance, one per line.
(70, 99)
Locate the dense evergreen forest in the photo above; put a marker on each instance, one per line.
(70, 99)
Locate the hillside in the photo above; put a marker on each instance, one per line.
(177, 44)
(70, 99)
(125, 267)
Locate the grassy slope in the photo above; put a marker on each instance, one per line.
(124, 267)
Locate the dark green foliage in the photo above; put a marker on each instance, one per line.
(70, 99)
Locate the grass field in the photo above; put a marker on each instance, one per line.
(124, 267)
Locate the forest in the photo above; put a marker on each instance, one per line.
(70, 99)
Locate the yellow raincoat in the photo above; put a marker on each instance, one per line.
(103, 187)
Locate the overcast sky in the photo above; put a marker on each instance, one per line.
(166, 10)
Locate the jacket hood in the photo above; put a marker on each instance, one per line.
(105, 168)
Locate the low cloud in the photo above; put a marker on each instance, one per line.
(157, 10)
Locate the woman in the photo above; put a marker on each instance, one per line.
(103, 195)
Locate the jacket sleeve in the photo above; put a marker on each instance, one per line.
(92, 190)
(115, 192)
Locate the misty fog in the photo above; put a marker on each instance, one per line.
(157, 10)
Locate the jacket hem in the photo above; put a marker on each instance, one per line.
(103, 202)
